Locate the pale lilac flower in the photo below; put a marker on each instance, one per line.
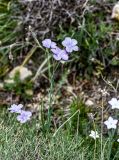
(111, 123)
(59, 54)
(70, 44)
(114, 103)
(94, 134)
(48, 43)
(24, 116)
(15, 108)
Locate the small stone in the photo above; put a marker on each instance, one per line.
(9, 81)
(29, 92)
(70, 89)
(1, 85)
(115, 12)
(89, 103)
(23, 73)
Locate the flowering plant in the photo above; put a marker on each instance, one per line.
(23, 116)
(69, 45)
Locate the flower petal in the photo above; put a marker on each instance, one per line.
(69, 49)
(53, 45)
(66, 42)
(64, 55)
(46, 43)
(57, 57)
(56, 50)
(20, 119)
(74, 42)
(115, 121)
(75, 48)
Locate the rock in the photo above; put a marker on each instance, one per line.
(29, 92)
(1, 85)
(89, 103)
(9, 81)
(23, 73)
(115, 12)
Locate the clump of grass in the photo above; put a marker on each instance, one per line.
(27, 142)
(79, 122)
(9, 31)
(7, 22)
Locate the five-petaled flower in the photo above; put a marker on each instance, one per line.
(94, 134)
(111, 123)
(59, 54)
(114, 103)
(70, 44)
(15, 108)
(48, 43)
(24, 116)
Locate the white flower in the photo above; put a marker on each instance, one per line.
(117, 140)
(104, 92)
(114, 103)
(111, 123)
(94, 134)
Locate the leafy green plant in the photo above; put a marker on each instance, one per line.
(8, 34)
(97, 39)
(80, 122)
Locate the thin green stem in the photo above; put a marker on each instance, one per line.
(102, 118)
(51, 78)
(66, 122)
(95, 141)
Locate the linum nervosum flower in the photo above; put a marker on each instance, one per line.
(114, 103)
(59, 54)
(23, 116)
(15, 108)
(111, 123)
(48, 43)
(94, 134)
(69, 45)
